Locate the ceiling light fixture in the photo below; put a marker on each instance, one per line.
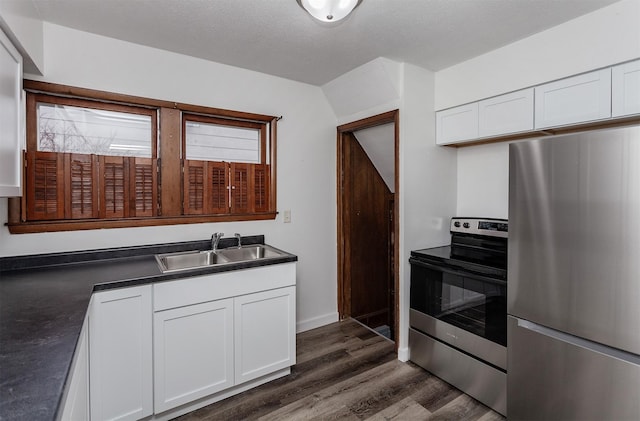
(329, 10)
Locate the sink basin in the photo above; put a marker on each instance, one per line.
(170, 262)
(248, 253)
(188, 260)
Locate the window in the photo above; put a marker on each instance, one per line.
(226, 168)
(101, 160)
(90, 160)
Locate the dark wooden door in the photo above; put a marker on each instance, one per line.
(368, 263)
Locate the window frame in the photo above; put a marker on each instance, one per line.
(167, 154)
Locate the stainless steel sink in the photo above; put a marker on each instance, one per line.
(171, 262)
(249, 253)
(188, 260)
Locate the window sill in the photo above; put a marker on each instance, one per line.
(90, 224)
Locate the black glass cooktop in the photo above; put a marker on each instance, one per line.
(457, 262)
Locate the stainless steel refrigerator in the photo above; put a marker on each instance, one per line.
(573, 293)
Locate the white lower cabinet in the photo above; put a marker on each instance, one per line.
(120, 354)
(193, 352)
(264, 333)
(76, 404)
(159, 351)
(217, 335)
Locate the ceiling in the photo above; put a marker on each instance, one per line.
(277, 37)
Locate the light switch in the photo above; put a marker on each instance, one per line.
(287, 216)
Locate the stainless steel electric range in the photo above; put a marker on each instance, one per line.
(458, 309)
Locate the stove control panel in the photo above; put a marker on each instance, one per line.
(481, 226)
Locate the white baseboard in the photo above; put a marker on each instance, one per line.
(304, 325)
(403, 354)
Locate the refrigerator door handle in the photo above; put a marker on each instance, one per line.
(580, 342)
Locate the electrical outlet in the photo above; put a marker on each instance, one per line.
(287, 216)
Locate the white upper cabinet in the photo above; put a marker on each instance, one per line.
(625, 89)
(457, 124)
(605, 94)
(11, 139)
(577, 99)
(504, 114)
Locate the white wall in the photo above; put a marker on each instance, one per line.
(378, 143)
(426, 195)
(306, 154)
(365, 91)
(598, 39)
(483, 182)
(427, 183)
(601, 38)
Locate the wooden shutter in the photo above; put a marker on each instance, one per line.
(114, 177)
(206, 187)
(241, 188)
(261, 187)
(194, 187)
(218, 185)
(143, 189)
(45, 185)
(81, 195)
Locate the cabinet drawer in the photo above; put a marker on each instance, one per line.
(200, 289)
(576, 99)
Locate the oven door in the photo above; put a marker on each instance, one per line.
(474, 305)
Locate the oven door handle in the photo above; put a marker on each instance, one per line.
(455, 271)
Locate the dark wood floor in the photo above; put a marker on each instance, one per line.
(346, 372)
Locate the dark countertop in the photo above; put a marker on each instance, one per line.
(43, 305)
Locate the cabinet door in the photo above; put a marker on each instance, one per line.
(509, 113)
(11, 139)
(76, 405)
(576, 99)
(625, 89)
(457, 124)
(193, 348)
(265, 337)
(120, 354)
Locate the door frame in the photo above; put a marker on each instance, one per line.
(344, 285)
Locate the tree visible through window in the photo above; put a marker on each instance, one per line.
(65, 128)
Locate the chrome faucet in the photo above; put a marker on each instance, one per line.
(215, 239)
(239, 239)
